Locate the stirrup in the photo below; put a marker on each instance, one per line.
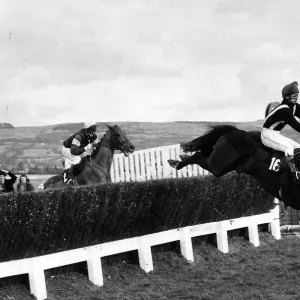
(70, 181)
(297, 175)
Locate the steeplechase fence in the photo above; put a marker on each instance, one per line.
(35, 267)
(153, 164)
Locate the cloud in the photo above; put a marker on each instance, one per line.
(80, 43)
(145, 60)
(138, 99)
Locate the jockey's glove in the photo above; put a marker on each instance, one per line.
(88, 147)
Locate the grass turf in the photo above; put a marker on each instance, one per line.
(269, 272)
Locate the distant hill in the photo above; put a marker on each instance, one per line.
(41, 145)
(68, 126)
(6, 125)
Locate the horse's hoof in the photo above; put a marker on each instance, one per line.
(173, 163)
(184, 156)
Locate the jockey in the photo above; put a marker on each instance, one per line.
(77, 146)
(284, 114)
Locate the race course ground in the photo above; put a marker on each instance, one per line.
(268, 272)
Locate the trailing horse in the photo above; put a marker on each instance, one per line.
(95, 169)
(225, 148)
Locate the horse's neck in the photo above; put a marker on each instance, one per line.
(104, 156)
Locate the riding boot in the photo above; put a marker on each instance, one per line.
(65, 175)
(291, 163)
(68, 177)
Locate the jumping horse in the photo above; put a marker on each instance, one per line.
(225, 148)
(95, 169)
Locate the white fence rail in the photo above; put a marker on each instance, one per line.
(151, 164)
(36, 266)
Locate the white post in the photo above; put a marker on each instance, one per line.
(94, 266)
(121, 168)
(142, 165)
(137, 166)
(177, 153)
(165, 166)
(127, 170)
(173, 172)
(145, 255)
(253, 234)
(112, 173)
(116, 169)
(186, 246)
(147, 167)
(152, 164)
(222, 239)
(275, 223)
(158, 164)
(37, 280)
(131, 167)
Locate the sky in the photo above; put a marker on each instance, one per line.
(145, 60)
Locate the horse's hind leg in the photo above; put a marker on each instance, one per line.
(223, 159)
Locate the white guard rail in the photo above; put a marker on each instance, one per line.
(36, 266)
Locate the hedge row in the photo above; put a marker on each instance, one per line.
(49, 221)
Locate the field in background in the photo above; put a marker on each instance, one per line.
(41, 145)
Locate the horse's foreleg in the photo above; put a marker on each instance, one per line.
(198, 158)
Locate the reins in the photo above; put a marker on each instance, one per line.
(120, 147)
(90, 162)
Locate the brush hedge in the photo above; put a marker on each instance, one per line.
(37, 223)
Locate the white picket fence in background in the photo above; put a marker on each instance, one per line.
(150, 164)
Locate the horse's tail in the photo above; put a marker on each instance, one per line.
(206, 142)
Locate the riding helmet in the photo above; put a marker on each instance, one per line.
(289, 89)
(90, 125)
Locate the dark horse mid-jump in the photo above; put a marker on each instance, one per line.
(226, 148)
(95, 169)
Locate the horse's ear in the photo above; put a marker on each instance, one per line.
(108, 126)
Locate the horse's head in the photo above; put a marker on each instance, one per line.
(119, 140)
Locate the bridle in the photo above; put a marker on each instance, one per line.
(120, 145)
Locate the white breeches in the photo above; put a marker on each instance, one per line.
(70, 159)
(276, 141)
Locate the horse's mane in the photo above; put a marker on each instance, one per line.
(113, 127)
(98, 146)
(206, 142)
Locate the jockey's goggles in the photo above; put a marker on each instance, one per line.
(294, 96)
